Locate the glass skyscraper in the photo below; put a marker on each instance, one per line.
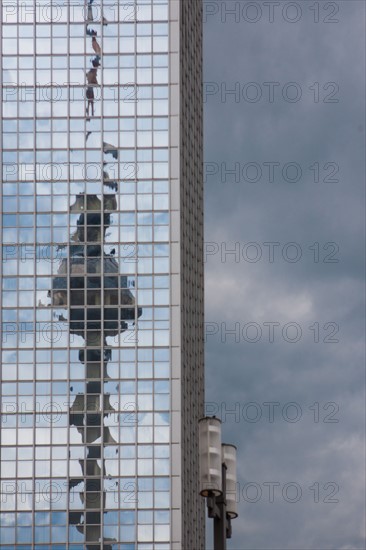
(101, 275)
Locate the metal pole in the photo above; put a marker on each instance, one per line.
(220, 523)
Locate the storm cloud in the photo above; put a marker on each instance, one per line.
(284, 205)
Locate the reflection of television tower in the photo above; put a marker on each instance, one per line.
(91, 279)
(100, 305)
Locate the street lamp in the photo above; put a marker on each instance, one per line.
(217, 479)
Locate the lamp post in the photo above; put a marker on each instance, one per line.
(217, 479)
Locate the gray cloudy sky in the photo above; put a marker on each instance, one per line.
(310, 378)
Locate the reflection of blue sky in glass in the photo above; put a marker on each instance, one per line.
(36, 212)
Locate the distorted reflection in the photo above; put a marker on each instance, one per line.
(101, 254)
(99, 303)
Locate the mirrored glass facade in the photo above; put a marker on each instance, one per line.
(101, 275)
